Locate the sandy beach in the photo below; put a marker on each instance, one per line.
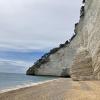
(59, 89)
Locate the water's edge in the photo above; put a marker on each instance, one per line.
(26, 86)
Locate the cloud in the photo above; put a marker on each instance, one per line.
(11, 66)
(24, 56)
(27, 25)
(18, 62)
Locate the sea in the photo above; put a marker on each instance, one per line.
(12, 80)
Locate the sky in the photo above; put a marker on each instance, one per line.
(30, 28)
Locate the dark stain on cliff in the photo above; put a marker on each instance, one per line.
(66, 72)
(82, 12)
(83, 1)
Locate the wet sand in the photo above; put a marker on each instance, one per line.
(60, 89)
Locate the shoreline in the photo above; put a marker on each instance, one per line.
(56, 89)
(17, 87)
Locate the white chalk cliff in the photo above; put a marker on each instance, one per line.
(79, 58)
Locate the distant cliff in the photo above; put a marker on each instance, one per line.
(79, 57)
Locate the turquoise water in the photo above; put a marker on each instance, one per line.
(11, 80)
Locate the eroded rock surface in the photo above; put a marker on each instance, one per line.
(90, 30)
(82, 66)
(57, 61)
(81, 54)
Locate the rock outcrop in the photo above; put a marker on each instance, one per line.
(81, 68)
(79, 57)
(90, 30)
(57, 61)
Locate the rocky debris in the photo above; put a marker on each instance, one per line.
(82, 11)
(81, 68)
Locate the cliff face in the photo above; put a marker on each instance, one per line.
(58, 61)
(79, 58)
(88, 65)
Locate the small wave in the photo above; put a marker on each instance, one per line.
(25, 85)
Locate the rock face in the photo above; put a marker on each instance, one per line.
(57, 62)
(80, 57)
(90, 29)
(81, 68)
